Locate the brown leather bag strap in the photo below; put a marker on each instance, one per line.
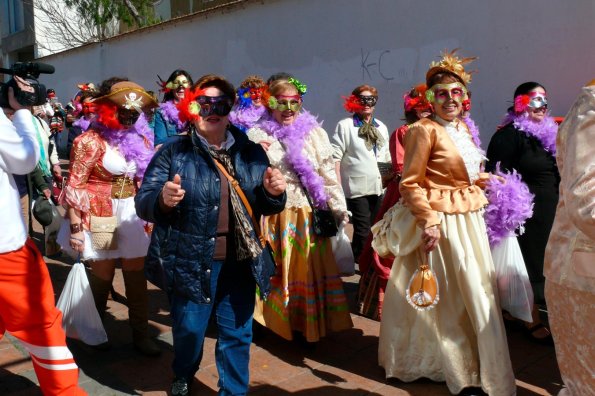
(236, 186)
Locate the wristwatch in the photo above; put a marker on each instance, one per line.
(75, 228)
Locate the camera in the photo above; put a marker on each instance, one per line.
(27, 90)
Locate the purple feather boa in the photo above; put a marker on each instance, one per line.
(293, 138)
(135, 143)
(246, 117)
(82, 123)
(474, 131)
(545, 131)
(171, 114)
(510, 205)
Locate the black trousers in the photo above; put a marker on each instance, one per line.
(363, 211)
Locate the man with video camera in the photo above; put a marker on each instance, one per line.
(27, 306)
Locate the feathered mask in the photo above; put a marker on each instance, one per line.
(189, 107)
(246, 96)
(352, 104)
(418, 101)
(450, 62)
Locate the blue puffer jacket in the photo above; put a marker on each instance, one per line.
(183, 240)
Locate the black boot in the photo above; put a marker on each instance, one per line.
(100, 289)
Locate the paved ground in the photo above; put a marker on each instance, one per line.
(342, 364)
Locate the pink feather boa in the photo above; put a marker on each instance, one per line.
(134, 143)
(510, 205)
(545, 131)
(293, 138)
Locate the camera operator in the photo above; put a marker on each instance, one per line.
(27, 307)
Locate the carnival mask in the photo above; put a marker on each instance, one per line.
(440, 93)
(89, 108)
(218, 105)
(128, 117)
(368, 100)
(255, 93)
(180, 81)
(283, 103)
(537, 100)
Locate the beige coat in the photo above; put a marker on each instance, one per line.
(570, 253)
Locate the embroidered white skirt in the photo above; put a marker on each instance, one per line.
(133, 241)
(462, 339)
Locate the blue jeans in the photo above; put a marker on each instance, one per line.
(234, 290)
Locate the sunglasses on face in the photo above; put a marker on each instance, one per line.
(441, 93)
(218, 105)
(368, 100)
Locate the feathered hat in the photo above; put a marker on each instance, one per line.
(451, 63)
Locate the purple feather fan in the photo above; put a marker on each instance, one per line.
(510, 205)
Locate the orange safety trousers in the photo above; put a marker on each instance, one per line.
(29, 313)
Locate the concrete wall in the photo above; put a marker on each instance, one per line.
(335, 45)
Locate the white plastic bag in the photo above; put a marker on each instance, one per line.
(342, 252)
(514, 287)
(80, 317)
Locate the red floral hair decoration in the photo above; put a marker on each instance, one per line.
(521, 103)
(418, 102)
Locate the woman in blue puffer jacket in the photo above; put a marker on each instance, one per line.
(203, 239)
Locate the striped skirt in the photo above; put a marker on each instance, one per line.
(306, 292)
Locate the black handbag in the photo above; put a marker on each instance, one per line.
(323, 220)
(323, 223)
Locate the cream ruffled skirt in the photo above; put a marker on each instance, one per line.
(462, 340)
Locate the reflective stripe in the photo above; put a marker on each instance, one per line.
(55, 367)
(50, 352)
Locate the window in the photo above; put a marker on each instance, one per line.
(12, 16)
